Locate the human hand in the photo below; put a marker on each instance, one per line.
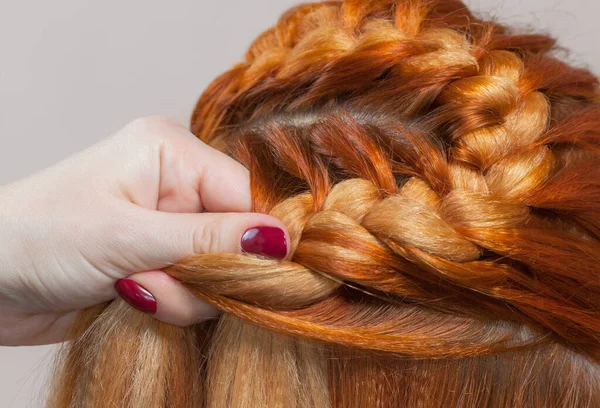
(123, 208)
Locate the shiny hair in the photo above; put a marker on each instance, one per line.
(439, 175)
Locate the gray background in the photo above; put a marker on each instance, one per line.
(74, 71)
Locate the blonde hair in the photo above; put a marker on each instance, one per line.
(439, 178)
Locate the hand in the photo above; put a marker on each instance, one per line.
(123, 208)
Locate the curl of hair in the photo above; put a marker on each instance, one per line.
(439, 175)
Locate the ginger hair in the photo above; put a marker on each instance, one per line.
(440, 178)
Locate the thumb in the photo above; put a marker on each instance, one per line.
(169, 237)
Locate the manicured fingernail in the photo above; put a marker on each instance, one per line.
(136, 295)
(267, 241)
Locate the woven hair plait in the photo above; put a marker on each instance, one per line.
(367, 51)
(419, 159)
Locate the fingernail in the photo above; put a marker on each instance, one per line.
(136, 295)
(267, 241)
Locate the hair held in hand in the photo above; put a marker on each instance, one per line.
(440, 178)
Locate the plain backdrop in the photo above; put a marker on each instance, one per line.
(74, 71)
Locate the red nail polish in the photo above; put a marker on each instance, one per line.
(136, 295)
(267, 241)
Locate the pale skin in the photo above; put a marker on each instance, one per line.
(134, 203)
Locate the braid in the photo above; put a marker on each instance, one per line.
(474, 237)
(419, 151)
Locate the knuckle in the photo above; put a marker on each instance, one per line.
(149, 127)
(206, 238)
(152, 121)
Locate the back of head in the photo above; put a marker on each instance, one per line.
(440, 179)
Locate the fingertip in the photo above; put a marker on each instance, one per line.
(265, 240)
(261, 234)
(166, 299)
(136, 295)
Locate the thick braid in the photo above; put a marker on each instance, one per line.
(345, 241)
(442, 190)
(322, 50)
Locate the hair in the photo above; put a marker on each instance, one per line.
(439, 175)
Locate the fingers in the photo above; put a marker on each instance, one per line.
(156, 293)
(190, 169)
(169, 237)
(176, 172)
(192, 177)
(223, 183)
